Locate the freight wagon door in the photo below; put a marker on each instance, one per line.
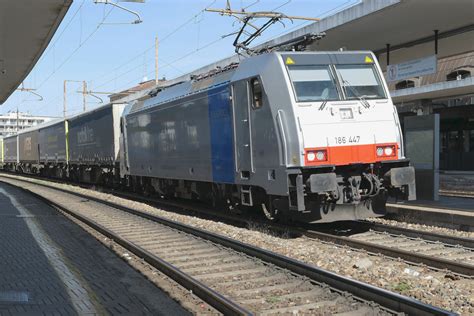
(242, 129)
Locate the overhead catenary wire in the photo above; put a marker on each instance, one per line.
(141, 54)
(166, 63)
(160, 41)
(73, 52)
(122, 87)
(51, 47)
(81, 44)
(63, 30)
(170, 64)
(340, 7)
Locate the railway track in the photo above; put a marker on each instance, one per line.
(457, 193)
(437, 251)
(233, 277)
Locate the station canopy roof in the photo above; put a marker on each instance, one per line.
(372, 24)
(26, 28)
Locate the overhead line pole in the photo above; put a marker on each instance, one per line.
(156, 60)
(84, 93)
(17, 119)
(64, 99)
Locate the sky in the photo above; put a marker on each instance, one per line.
(99, 44)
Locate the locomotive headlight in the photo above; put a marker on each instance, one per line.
(380, 151)
(311, 156)
(321, 155)
(316, 155)
(388, 151)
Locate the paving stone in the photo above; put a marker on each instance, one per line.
(49, 265)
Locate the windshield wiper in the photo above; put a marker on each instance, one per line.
(361, 98)
(323, 105)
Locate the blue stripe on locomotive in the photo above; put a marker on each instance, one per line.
(222, 140)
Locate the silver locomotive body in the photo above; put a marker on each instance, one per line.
(287, 132)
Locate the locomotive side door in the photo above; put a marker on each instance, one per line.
(242, 129)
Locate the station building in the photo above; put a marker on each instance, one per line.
(14, 122)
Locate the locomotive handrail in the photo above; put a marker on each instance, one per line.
(280, 114)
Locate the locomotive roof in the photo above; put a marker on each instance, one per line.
(184, 89)
(192, 86)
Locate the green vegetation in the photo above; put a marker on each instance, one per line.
(402, 287)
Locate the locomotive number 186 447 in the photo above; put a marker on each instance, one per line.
(347, 139)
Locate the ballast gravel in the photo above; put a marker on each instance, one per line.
(438, 288)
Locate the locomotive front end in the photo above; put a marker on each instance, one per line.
(351, 146)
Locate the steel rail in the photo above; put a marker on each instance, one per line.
(431, 236)
(364, 291)
(213, 298)
(408, 256)
(457, 193)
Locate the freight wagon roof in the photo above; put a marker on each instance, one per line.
(50, 123)
(10, 137)
(30, 129)
(89, 112)
(37, 127)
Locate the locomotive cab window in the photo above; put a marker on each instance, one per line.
(360, 81)
(313, 83)
(257, 93)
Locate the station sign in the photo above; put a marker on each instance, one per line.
(412, 68)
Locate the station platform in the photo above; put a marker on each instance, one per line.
(51, 266)
(463, 204)
(454, 212)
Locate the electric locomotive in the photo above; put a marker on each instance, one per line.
(312, 136)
